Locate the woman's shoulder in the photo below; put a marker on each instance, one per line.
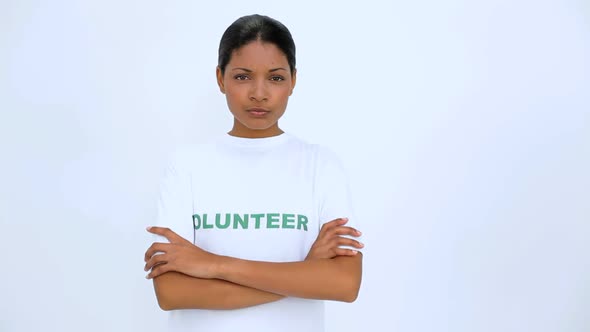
(322, 153)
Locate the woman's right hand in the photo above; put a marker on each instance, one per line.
(329, 240)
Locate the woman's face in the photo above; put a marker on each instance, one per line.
(257, 84)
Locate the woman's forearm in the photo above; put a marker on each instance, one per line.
(335, 279)
(175, 290)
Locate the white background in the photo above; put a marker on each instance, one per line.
(465, 126)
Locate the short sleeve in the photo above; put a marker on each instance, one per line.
(174, 203)
(335, 198)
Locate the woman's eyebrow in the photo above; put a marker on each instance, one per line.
(250, 70)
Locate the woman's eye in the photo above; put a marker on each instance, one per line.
(241, 77)
(277, 78)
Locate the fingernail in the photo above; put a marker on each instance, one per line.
(345, 219)
(362, 244)
(147, 276)
(359, 233)
(354, 252)
(148, 228)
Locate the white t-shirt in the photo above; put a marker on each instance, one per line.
(259, 199)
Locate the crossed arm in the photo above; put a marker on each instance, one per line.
(329, 279)
(176, 290)
(187, 277)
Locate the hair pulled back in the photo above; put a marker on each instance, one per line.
(251, 28)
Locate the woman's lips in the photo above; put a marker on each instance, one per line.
(258, 112)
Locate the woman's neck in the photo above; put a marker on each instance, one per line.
(240, 130)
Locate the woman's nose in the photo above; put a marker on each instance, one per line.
(259, 91)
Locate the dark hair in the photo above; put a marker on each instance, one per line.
(251, 28)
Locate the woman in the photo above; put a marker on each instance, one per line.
(268, 234)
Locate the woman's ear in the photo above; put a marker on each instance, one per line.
(219, 75)
(293, 80)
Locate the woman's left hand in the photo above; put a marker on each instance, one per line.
(179, 255)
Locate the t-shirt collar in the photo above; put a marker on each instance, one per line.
(264, 142)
